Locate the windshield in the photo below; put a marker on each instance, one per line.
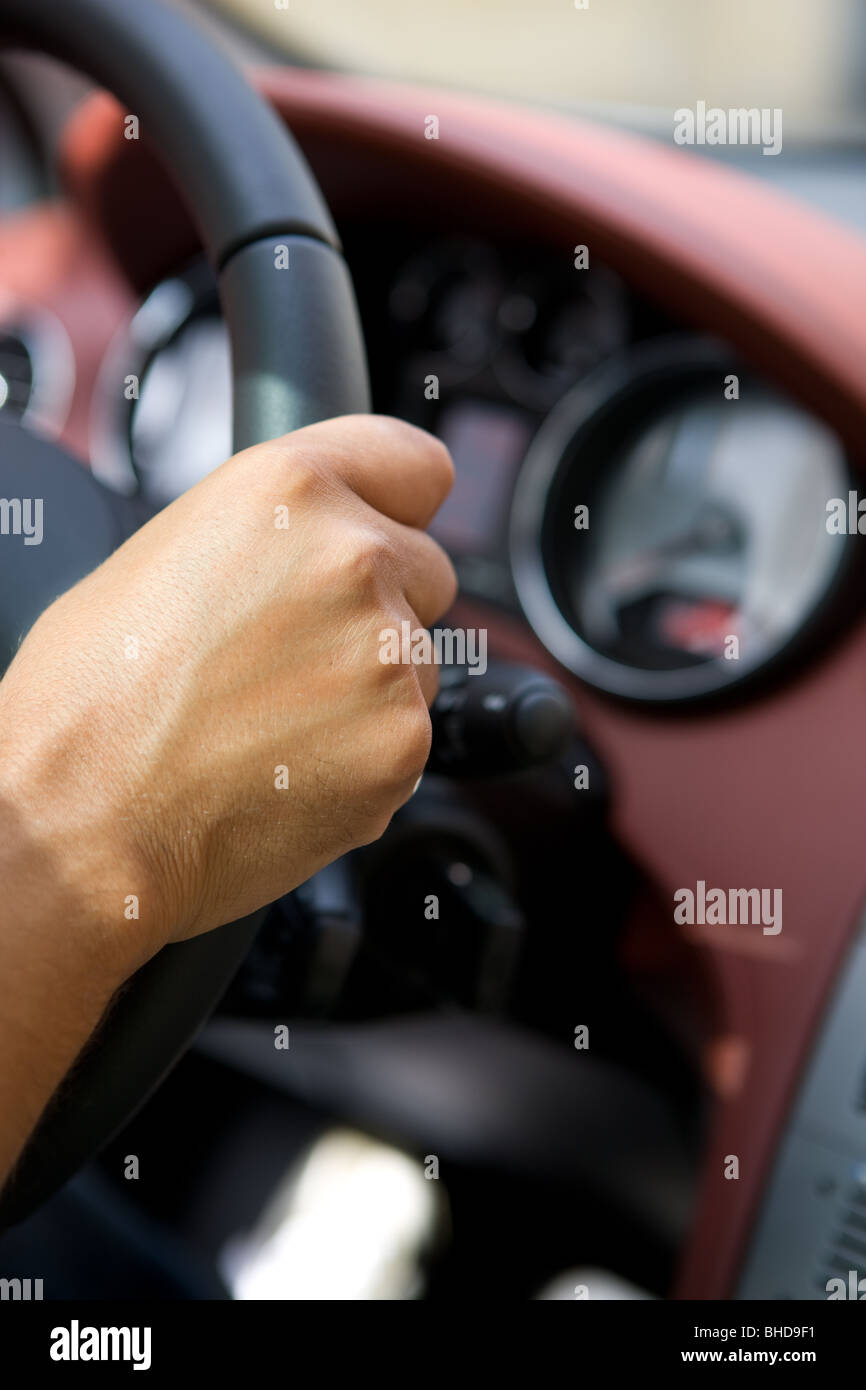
(638, 58)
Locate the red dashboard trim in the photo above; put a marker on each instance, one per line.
(49, 258)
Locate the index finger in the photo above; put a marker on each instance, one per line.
(401, 470)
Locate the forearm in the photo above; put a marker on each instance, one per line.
(65, 948)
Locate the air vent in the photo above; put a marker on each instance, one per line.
(16, 375)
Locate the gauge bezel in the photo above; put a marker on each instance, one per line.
(609, 397)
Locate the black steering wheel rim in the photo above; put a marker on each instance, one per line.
(297, 357)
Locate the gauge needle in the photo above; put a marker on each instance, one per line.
(713, 532)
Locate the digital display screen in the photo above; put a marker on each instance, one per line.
(487, 443)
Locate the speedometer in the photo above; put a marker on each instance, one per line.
(669, 527)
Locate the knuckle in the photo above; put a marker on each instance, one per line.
(285, 470)
(363, 562)
(302, 480)
(400, 763)
(450, 585)
(373, 828)
(410, 745)
(428, 679)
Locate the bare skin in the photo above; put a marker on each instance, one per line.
(153, 714)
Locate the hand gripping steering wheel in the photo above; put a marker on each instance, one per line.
(297, 357)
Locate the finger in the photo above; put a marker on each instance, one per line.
(428, 679)
(424, 570)
(402, 471)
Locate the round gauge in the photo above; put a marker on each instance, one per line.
(669, 525)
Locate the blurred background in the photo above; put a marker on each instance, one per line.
(645, 57)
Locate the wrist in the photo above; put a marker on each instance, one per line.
(68, 878)
(63, 954)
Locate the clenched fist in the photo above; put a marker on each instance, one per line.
(204, 721)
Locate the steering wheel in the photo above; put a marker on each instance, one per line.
(297, 357)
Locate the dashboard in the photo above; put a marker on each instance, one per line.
(655, 510)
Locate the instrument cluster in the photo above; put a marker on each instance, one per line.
(654, 509)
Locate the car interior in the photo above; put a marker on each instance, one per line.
(587, 1020)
